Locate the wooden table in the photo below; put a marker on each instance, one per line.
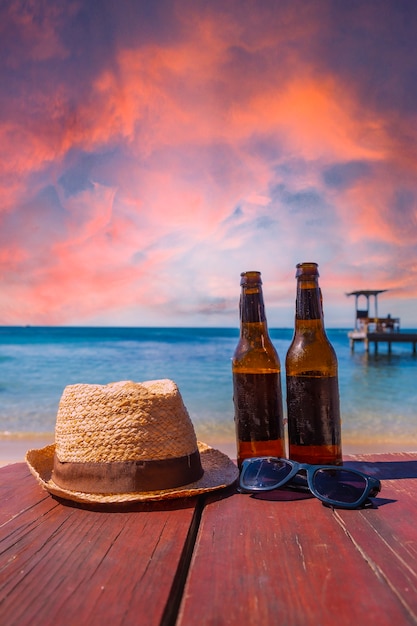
(216, 560)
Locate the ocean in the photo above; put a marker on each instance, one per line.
(378, 391)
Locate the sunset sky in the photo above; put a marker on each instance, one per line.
(152, 150)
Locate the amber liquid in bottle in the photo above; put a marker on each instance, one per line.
(256, 369)
(313, 407)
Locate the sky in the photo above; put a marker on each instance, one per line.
(151, 151)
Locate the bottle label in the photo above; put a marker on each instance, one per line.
(313, 410)
(258, 406)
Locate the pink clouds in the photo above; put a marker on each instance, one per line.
(139, 177)
(30, 28)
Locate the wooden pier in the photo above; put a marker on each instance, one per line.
(388, 338)
(377, 329)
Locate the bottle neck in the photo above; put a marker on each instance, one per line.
(308, 306)
(252, 309)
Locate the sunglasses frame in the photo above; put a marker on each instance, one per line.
(371, 489)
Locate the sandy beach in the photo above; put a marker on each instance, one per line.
(13, 449)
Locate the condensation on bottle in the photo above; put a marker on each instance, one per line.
(313, 405)
(256, 369)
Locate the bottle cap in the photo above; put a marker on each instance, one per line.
(307, 269)
(250, 278)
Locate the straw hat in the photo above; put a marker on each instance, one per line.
(127, 442)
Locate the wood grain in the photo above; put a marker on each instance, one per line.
(281, 558)
(274, 561)
(63, 564)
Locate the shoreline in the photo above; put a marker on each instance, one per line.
(13, 447)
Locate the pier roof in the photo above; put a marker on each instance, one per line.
(366, 292)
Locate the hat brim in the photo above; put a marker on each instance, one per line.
(219, 472)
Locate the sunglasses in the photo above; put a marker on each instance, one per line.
(333, 485)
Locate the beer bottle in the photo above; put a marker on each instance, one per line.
(313, 410)
(256, 369)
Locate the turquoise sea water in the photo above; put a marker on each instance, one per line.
(378, 392)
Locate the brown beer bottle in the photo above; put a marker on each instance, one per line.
(313, 408)
(256, 369)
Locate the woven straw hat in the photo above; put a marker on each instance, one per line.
(127, 442)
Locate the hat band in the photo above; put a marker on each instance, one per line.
(127, 476)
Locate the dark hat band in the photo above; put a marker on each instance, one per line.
(127, 476)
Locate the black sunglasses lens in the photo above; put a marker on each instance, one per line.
(264, 473)
(339, 485)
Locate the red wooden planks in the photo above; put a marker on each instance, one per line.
(387, 536)
(14, 492)
(256, 560)
(298, 562)
(69, 565)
